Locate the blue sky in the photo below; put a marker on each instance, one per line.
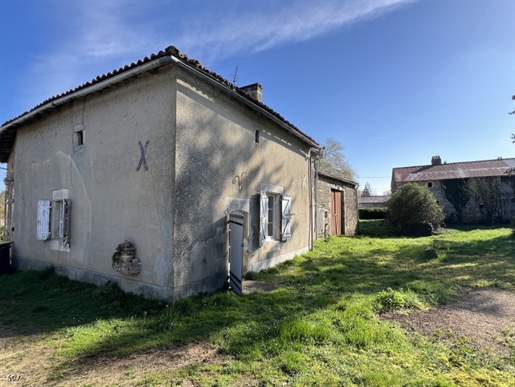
(395, 81)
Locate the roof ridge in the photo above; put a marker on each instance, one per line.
(457, 162)
(170, 51)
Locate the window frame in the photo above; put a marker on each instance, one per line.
(53, 220)
(279, 227)
(271, 234)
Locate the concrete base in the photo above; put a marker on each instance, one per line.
(271, 262)
(99, 279)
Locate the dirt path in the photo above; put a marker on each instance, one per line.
(482, 316)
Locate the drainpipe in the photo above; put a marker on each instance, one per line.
(358, 231)
(314, 160)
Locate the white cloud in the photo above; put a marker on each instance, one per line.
(98, 37)
(217, 38)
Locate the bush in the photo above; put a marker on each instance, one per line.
(411, 206)
(372, 213)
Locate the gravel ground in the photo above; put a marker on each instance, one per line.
(483, 316)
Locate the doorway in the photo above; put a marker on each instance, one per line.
(236, 221)
(336, 212)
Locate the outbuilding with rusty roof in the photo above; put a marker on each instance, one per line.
(468, 192)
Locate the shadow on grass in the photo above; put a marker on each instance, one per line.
(105, 321)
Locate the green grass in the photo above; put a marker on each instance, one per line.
(320, 328)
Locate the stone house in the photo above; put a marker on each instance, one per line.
(467, 192)
(197, 174)
(337, 206)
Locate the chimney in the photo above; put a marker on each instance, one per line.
(254, 91)
(436, 160)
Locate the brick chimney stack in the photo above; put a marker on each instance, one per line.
(436, 160)
(254, 91)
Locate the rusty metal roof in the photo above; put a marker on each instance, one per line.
(338, 179)
(462, 170)
(8, 131)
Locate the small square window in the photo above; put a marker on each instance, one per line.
(429, 185)
(78, 138)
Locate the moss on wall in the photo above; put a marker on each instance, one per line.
(456, 194)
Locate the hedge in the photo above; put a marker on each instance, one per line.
(372, 213)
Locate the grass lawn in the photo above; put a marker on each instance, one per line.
(320, 328)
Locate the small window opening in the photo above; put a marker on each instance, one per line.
(80, 137)
(481, 206)
(256, 136)
(429, 185)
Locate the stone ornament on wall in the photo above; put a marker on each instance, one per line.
(239, 179)
(124, 259)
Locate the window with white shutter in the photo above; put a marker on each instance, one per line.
(43, 228)
(275, 213)
(53, 220)
(286, 218)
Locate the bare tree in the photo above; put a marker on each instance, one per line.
(333, 160)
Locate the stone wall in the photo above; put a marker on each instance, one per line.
(349, 206)
(458, 207)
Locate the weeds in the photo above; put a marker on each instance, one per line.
(320, 328)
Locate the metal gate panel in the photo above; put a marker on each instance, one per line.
(235, 252)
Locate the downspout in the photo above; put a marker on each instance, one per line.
(314, 195)
(357, 209)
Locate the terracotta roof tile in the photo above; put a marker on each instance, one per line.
(7, 137)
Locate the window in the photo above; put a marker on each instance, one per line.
(429, 185)
(53, 220)
(275, 217)
(256, 136)
(78, 138)
(271, 217)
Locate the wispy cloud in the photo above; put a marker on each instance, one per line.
(95, 40)
(99, 38)
(251, 31)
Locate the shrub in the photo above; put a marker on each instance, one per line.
(412, 205)
(372, 213)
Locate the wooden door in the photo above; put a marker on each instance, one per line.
(336, 212)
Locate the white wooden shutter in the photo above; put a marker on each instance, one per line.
(286, 218)
(43, 227)
(264, 217)
(66, 221)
